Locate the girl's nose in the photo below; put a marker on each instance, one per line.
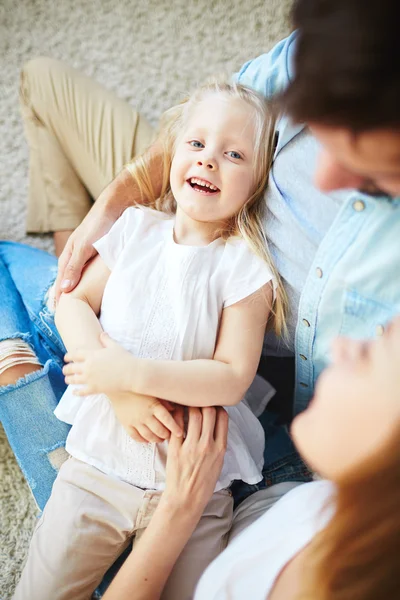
(208, 164)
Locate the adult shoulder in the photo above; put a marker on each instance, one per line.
(250, 565)
(270, 73)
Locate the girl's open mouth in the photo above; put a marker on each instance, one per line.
(202, 186)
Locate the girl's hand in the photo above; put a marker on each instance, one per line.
(102, 371)
(144, 418)
(194, 463)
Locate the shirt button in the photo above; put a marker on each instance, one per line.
(318, 272)
(358, 205)
(303, 357)
(379, 329)
(304, 385)
(306, 323)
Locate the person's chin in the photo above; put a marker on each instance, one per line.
(301, 431)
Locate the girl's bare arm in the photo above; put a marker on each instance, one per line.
(221, 381)
(76, 313)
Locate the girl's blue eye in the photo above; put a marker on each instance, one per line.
(196, 144)
(234, 154)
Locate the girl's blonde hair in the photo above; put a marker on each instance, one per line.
(248, 223)
(356, 556)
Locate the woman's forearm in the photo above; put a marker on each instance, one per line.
(77, 324)
(191, 382)
(146, 570)
(124, 191)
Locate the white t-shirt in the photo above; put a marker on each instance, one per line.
(250, 565)
(164, 301)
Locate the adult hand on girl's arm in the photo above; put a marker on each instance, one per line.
(121, 193)
(193, 468)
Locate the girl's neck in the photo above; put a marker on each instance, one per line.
(189, 232)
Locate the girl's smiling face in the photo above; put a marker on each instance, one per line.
(356, 405)
(212, 171)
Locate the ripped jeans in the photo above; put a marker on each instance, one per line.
(36, 436)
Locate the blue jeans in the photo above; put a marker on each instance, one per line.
(26, 408)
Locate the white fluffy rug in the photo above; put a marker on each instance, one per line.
(150, 52)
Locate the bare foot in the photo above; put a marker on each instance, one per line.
(60, 239)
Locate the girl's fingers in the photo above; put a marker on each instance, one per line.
(148, 435)
(166, 418)
(194, 425)
(135, 435)
(74, 378)
(158, 428)
(76, 356)
(71, 369)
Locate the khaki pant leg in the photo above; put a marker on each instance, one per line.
(80, 135)
(206, 543)
(85, 526)
(256, 505)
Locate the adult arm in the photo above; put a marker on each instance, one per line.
(76, 314)
(221, 381)
(193, 468)
(121, 193)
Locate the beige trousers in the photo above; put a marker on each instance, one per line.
(90, 519)
(80, 135)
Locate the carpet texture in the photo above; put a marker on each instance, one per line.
(150, 52)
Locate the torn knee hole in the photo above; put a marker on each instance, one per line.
(16, 352)
(57, 457)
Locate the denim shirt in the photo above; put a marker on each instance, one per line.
(353, 284)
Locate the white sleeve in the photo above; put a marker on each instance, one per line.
(247, 274)
(112, 244)
(253, 559)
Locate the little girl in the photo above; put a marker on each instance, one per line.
(185, 285)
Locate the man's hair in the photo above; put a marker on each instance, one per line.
(347, 64)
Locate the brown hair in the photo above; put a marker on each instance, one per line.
(248, 223)
(346, 63)
(356, 556)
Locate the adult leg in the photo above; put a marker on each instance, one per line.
(206, 543)
(80, 135)
(85, 526)
(31, 380)
(256, 505)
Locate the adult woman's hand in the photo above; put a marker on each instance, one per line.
(79, 248)
(194, 464)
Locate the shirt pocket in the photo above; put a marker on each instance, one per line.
(365, 317)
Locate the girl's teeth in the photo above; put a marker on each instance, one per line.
(203, 183)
